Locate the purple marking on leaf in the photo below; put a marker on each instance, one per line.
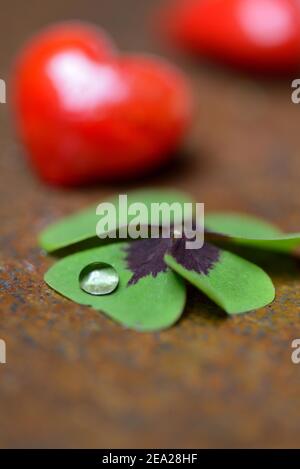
(146, 257)
(200, 260)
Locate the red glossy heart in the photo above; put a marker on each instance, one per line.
(255, 34)
(84, 113)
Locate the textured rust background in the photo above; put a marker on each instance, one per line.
(73, 377)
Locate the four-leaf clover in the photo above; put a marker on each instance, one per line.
(151, 291)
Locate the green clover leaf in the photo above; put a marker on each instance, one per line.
(152, 303)
(236, 285)
(250, 231)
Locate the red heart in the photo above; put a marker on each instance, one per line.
(84, 113)
(256, 34)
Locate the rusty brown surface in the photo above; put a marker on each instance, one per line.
(75, 379)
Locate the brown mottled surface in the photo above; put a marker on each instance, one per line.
(76, 379)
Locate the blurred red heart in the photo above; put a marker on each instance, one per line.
(256, 34)
(84, 113)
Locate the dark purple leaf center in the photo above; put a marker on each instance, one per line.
(146, 257)
(200, 260)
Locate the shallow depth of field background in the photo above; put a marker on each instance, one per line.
(76, 379)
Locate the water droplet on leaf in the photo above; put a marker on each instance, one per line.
(98, 278)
